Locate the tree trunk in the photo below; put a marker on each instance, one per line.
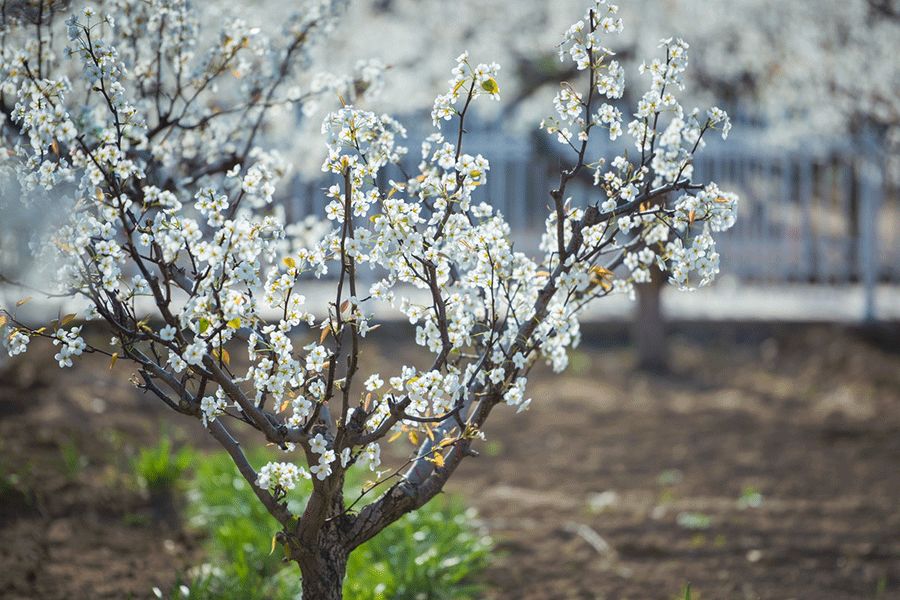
(323, 569)
(649, 332)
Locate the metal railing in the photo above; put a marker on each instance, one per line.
(805, 217)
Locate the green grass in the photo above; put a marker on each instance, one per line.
(9, 479)
(73, 461)
(693, 520)
(16, 482)
(750, 498)
(429, 555)
(159, 467)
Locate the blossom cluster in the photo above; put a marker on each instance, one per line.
(17, 342)
(467, 83)
(213, 406)
(280, 475)
(70, 344)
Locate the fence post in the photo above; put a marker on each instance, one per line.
(805, 190)
(871, 190)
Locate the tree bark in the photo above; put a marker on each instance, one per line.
(649, 330)
(323, 569)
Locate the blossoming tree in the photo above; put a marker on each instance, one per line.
(170, 237)
(793, 64)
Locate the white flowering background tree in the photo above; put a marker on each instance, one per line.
(142, 130)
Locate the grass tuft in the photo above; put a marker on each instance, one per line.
(433, 554)
(159, 468)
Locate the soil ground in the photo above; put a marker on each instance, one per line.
(762, 465)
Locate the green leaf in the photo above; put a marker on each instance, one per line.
(204, 325)
(490, 86)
